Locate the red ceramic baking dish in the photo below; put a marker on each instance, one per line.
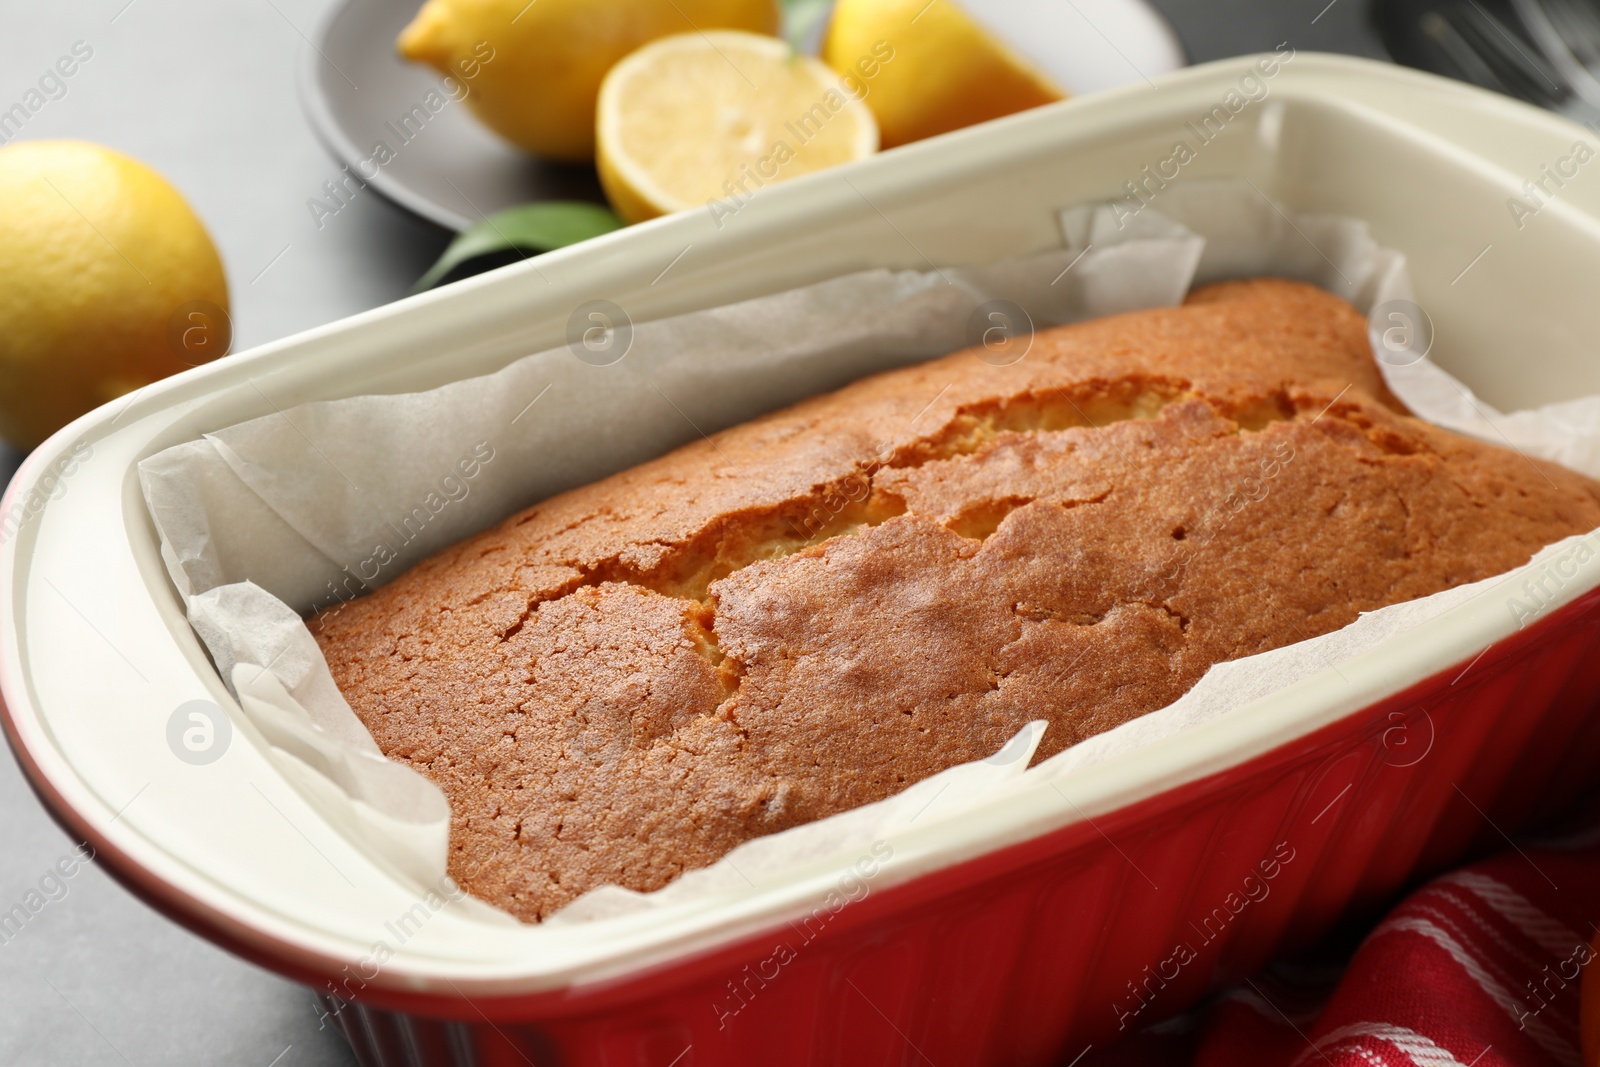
(1020, 932)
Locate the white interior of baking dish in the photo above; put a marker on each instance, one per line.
(97, 654)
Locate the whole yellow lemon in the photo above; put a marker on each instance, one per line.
(927, 67)
(532, 68)
(108, 282)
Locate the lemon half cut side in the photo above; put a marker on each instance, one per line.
(699, 120)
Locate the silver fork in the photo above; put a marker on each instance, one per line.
(1567, 32)
(1490, 54)
(1495, 56)
(1578, 23)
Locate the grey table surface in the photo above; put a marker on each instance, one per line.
(205, 93)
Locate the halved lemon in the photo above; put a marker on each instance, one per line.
(707, 120)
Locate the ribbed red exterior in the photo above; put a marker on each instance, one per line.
(1030, 954)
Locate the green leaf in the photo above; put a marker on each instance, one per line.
(535, 228)
(801, 21)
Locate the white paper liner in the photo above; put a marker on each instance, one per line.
(270, 519)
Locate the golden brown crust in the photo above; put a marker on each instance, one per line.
(812, 611)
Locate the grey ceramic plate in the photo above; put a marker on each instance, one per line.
(447, 167)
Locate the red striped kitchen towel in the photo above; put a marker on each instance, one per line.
(1478, 968)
